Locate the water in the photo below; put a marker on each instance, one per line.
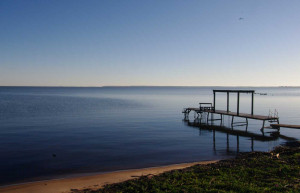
(50, 132)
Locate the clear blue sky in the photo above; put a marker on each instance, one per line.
(172, 43)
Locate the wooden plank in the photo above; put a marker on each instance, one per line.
(235, 91)
(285, 125)
(193, 109)
(244, 115)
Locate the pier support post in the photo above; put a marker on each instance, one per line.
(221, 119)
(263, 126)
(214, 101)
(252, 103)
(227, 101)
(238, 103)
(207, 119)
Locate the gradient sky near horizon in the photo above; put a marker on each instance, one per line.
(163, 43)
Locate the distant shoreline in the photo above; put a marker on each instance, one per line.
(92, 181)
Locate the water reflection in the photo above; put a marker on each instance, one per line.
(237, 133)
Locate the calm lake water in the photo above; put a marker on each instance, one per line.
(50, 132)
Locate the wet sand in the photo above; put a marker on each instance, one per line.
(91, 181)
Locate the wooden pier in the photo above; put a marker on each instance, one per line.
(210, 109)
(277, 126)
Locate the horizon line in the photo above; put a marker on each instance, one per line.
(136, 86)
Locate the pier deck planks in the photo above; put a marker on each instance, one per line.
(244, 115)
(285, 125)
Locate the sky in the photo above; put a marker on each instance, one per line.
(149, 43)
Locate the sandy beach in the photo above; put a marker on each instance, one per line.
(91, 181)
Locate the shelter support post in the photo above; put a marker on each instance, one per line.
(252, 103)
(227, 101)
(238, 103)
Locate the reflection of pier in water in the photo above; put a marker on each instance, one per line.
(238, 133)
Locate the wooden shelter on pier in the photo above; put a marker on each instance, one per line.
(238, 98)
(210, 109)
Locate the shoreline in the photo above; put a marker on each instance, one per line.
(93, 181)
